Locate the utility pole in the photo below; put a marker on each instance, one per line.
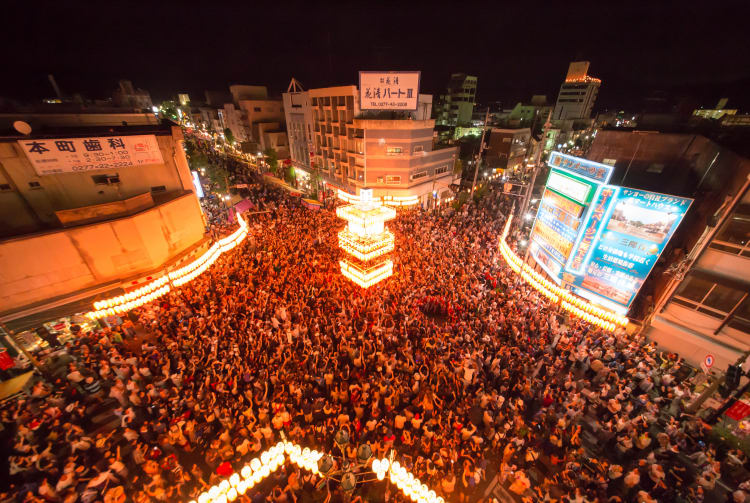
(481, 150)
(537, 161)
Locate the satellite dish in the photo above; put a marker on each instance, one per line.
(22, 127)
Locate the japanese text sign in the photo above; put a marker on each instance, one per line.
(738, 411)
(388, 90)
(594, 170)
(73, 155)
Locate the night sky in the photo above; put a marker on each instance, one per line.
(516, 50)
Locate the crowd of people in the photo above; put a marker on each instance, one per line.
(466, 373)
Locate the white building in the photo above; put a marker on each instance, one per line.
(577, 94)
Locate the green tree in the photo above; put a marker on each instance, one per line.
(169, 111)
(291, 176)
(272, 158)
(458, 167)
(229, 136)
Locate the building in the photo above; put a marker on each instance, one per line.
(735, 120)
(508, 149)
(89, 211)
(695, 301)
(529, 114)
(241, 92)
(235, 120)
(717, 112)
(299, 124)
(127, 96)
(456, 106)
(256, 121)
(391, 153)
(577, 94)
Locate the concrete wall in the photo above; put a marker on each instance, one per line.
(44, 266)
(29, 209)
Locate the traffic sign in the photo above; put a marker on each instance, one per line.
(709, 361)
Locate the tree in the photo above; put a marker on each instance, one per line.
(272, 158)
(169, 111)
(229, 136)
(458, 167)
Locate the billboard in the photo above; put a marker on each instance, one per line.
(388, 90)
(197, 185)
(75, 155)
(599, 240)
(631, 236)
(564, 203)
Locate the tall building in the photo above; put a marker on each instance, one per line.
(508, 148)
(698, 292)
(91, 207)
(299, 124)
(393, 156)
(255, 120)
(577, 94)
(456, 106)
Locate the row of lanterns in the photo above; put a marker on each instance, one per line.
(249, 476)
(159, 287)
(575, 305)
(253, 473)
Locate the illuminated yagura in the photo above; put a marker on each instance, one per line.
(366, 241)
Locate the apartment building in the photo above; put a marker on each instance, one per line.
(390, 152)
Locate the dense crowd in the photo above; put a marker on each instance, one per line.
(453, 363)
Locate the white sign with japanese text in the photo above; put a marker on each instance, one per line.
(74, 155)
(388, 90)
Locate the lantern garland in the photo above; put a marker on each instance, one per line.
(176, 278)
(269, 461)
(577, 306)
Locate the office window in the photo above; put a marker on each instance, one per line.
(392, 180)
(419, 148)
(421, 174)
(393, 150)
(5, 187)
(35, 185)
(694, 288)
(441, 169)
(722, 298)
(256, 109)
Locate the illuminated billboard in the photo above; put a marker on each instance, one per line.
(599, 240)
(571, 187)
(631, 235)
(388, 90)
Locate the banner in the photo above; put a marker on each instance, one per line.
(75, 155)
(388, 90)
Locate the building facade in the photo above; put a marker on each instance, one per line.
(299, 126)
(394, 157)
(88, 210)
(127, 96)
(577, 94)
(508, 148)
(695, 300)
(456, 106)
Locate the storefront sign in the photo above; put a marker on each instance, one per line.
(388, 90)
(75, 155)
(594, 170)
(738, 411)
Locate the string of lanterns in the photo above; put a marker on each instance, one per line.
(257, 470)
(161, 286)
(386, 200)
(577, 306)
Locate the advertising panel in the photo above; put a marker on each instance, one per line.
(596, 171)
(632, 235)
(388, 90)
(75, 155)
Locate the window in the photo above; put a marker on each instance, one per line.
(393, 150)
(392, 180)
(256, 109)
(708, 297)
(506, 140)
(419, 148)
(158, 188)
(421, 174)
(105, 179)
(736, 230)
(655, 167)
(4, 187)
(441, 169)
(35, 185)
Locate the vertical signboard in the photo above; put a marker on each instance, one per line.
(388, 90)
